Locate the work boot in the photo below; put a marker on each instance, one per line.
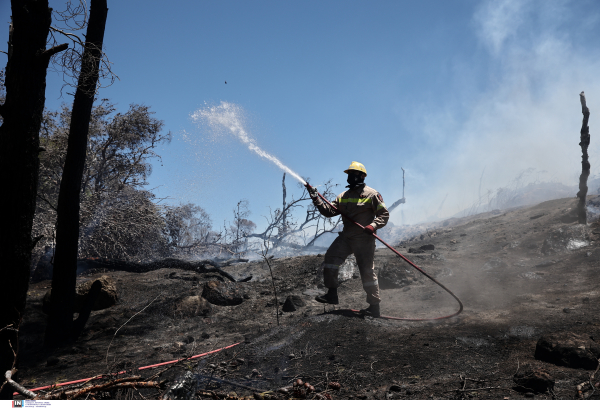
(330, 297)
(372, 310)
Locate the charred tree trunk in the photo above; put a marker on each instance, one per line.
(284, 212)
(60, 321)
(585, 164)
(19, 143)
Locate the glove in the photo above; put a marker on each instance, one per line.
(369, 230)
(312, 191)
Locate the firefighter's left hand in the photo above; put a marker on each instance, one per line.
(312, 191)
(369, 230)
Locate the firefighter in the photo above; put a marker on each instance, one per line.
(365, 206)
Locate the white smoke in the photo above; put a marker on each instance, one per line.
(537, 58)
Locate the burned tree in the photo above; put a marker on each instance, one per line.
(585, 164)
(238, 232)
(21, 112)
(283, 228)
(118, 218)
(187, 227)
(403, 200)
(60, 322)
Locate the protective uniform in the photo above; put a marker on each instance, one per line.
(365, 206)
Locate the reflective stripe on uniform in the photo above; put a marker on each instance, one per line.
(380, 206)
(355, 200)
(368, 284)
(331, 266)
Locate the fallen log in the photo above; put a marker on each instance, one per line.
(138, 267)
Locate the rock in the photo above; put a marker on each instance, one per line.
(568, 349)
(334, 385)
(428, 247)
(415, 250)
(192, 306)
(395, 388)
(536, 380)
(289, 306)
(293, 303)
(222, 293)
(106, 298)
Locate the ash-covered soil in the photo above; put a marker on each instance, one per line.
(521, 274)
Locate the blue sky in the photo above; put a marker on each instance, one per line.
(445, 89)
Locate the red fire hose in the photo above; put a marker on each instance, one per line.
(123, 372)
(405, 259)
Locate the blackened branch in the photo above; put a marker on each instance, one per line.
(54, 50)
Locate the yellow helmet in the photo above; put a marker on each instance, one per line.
(356, 166)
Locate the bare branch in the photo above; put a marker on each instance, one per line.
(17, 387)
(73, 37)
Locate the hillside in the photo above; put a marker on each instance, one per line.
(522, 274)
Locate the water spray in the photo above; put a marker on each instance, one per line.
(230, 116)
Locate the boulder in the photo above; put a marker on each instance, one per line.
(568, 349)
(107, 297)
(192, 306)
(536, 380)
(222, 293)
(293, 303)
